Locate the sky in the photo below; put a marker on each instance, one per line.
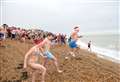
(93, 16)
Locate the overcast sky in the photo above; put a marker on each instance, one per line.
(61, 15)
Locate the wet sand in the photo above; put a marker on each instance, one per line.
(85, 67)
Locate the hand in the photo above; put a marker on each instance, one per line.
(45, 56)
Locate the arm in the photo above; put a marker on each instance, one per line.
(42, 50)
(26, 57)
(41, 47)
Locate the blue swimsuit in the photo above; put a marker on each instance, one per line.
(72, 43)
(49, 55)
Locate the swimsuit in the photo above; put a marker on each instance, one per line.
(46, 53)
(89, 45)
(72, 43)
(37, 53)
(49, 55)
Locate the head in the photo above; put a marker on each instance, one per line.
(77, 29)
(5, 25)
(50, 36)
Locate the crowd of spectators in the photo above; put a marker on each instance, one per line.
(34, 35)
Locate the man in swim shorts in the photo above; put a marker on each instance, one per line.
(46, 51)
(73, 39)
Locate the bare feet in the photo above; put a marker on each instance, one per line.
(60, 71)
(72, 54)
(42, 81)
(66, 58)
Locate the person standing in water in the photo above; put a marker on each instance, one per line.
(89, 45)
(73, 40)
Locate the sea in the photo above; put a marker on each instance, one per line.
(108, 45)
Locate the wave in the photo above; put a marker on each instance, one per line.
(113, 55)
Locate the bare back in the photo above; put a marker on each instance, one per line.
(74, 35)
(46, 44)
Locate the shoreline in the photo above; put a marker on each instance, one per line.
(108, 58)
(102, 52)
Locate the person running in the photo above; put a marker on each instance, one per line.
(73, 39)
(31, 60)
(34, 52)
(49, 56)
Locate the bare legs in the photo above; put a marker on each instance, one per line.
(33, 76)
(89, 49)
(55, 62)
(72, 52)
(38, 67)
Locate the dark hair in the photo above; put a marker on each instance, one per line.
(50, 34)
(5, 25)
(76, 27)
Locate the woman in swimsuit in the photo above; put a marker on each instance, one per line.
(31, 60)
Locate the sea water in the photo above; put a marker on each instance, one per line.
(108, 45)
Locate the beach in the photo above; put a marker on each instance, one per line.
(59, 41)
(106, 45)
(85, 67)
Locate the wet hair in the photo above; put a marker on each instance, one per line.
(50, 34)
(76, 27)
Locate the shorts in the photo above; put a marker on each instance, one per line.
(2, 36)
(72, 43)
(49, 55)
(13, 35)
(88, 46)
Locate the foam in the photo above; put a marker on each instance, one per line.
(112, 55)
